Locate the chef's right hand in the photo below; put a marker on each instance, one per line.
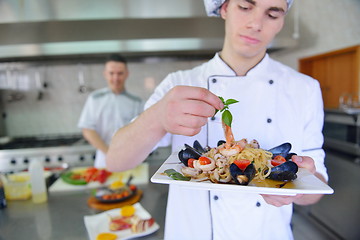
(184, 109)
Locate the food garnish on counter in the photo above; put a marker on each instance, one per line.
(106, 236)
(90, 174)
(129, 220)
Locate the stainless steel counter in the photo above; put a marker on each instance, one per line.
(62, 217)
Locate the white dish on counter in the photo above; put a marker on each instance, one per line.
(305, 183)
(99, 223)
(140, 176)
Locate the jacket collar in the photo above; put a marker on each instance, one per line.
(219, 67)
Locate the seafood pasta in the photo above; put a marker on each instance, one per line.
(237, 161)
(240, 163)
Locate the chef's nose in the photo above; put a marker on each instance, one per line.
(255, 22)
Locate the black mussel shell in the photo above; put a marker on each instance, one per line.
(281, 150)
(220, 142)
(187, 153)
(242, 177)
(289, 156)
(198, 147)
(284, 172)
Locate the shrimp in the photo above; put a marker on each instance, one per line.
(231, 147)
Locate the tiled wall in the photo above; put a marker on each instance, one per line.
(325, 25)
(58, 111)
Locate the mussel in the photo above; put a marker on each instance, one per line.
(198, 147)
(284, 172)
(242, 177)
(282, 150)
(187, 153)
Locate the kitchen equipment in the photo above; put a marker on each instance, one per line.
(342, 131)
(37, 180)
(53, 151)
(95, 204)
(16, 186)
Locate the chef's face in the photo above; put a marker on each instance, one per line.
(115, 74)
(251, 25)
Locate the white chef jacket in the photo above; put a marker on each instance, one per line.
(276, 105)
(106, 112)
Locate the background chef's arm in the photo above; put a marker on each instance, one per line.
(95, 140)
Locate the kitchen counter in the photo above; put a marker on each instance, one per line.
(62, 216)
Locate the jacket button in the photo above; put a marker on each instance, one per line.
(271, 81)
(216, 197)
(213, 118)
(258, 204)
(269, 120)
(214, 80)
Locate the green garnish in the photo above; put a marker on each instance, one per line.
(226, 114)
(176, 175)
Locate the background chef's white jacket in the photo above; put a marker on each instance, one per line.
(105, 112)
(276, 105)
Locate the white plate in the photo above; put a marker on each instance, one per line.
(306, 183)
(99, 223)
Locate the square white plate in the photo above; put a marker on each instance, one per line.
(305, 183)
(99, 223)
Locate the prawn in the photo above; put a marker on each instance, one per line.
(231, 147)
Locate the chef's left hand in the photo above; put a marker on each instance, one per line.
(281, 200)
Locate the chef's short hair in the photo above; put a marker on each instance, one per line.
(116, 58)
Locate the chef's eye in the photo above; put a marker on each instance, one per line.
(244, 6)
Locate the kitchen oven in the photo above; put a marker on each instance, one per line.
(339, 212)
(53, 151)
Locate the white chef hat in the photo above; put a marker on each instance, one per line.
(212, 7)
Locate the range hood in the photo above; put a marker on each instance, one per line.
(43, 28)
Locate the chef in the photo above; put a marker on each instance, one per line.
(276, 105)
(108, 109)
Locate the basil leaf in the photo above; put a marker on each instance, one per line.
(227, 117)
(176, 175)
(231, 101)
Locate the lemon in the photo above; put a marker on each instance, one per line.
(116, 185)
(127, 211)
(106, 236)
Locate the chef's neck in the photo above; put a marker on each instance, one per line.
(240, 64)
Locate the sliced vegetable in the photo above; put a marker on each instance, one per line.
(127, 211)
(176, 175)
(106, 236)
(277, 160)
(242, 163)
(204, 160)
(68, 177)
(191, 162)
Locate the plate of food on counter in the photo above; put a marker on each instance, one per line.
(128, 222)
(239, 166)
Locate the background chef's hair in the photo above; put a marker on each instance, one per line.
(116, 58)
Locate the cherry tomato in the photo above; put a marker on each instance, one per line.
(204, 160)
(277, 160)
(191, 162)
(242, 163)
(132, 187)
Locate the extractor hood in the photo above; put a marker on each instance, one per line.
(41, 28)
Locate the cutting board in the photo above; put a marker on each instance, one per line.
(140, 176)
(95, 204)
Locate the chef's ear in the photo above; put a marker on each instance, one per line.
(223, 9)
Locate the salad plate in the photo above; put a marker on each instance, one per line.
(305, 183)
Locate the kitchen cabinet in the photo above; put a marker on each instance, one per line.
(337, 71)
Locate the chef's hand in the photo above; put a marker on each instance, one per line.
(280, 200)
(184, 109)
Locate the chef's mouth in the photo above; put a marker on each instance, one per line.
(249, 39)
